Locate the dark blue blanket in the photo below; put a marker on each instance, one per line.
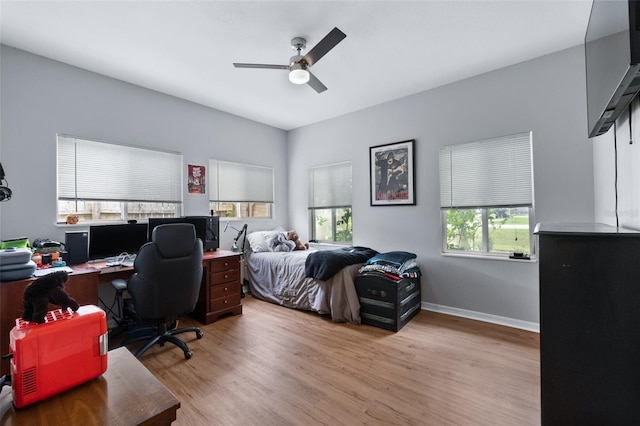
(324, 264)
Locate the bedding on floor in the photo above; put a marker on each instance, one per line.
(281, 278)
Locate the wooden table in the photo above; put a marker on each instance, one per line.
(126, 394)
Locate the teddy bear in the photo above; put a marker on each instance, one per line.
(46, 289)
(279, 242)
(293, 236)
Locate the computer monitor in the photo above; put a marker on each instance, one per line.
(107, 241)
(207, 228)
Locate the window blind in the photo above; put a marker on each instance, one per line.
(330, 186)
(89, 170)
(487, 173)
(238, 183)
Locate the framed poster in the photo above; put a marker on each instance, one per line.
(392, 174)
(196, 183)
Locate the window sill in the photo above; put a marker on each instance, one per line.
(77, 225)
(532, 259)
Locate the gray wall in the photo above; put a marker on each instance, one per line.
(545, 95)
(41, 97)
(628, 172)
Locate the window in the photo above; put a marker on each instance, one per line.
(330, 203)
(486, 196)
(103, 182)
(240, 190)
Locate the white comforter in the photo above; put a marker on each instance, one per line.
(279, 277)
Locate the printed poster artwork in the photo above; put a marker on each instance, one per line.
(392, 174)
(196, 181)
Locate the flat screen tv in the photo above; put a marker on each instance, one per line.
(612, 59)
(108, 241)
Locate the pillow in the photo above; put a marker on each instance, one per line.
(259, 240)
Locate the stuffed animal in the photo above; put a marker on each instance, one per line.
(46, 289)
(293, 236)
(279, 242)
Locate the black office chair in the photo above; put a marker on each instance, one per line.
(165, 285)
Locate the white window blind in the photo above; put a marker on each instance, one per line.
(89, 170)
(235, 182)
(487, 173)
(330, 186)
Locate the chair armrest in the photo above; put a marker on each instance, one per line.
(119, 285)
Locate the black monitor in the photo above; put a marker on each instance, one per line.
(207, 228)
(107, 241)
(155, 221)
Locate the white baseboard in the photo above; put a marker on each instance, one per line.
(481, 316)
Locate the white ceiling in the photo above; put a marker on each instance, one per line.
(393, 48)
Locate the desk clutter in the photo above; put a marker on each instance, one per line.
(18, 260)
(16, 264)
(388, 287)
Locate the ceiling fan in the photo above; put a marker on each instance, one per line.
(299, 65)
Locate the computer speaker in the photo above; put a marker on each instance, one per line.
(77, 244)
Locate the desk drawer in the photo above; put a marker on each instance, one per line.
(224, 290)
(225, 276)
(225, 302)
(225, 264)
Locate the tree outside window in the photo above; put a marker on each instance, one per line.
(489, 230)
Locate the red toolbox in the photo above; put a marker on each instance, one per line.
(70, 348)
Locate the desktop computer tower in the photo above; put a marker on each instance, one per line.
(77, 244)
(207, 229)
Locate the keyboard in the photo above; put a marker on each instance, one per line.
(45, 271)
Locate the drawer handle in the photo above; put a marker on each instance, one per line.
(226, 301)
(226, 263)
(226, 275)
(226, 289)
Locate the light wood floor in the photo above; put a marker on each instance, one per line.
(277, 366)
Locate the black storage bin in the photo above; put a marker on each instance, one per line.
(387, 303)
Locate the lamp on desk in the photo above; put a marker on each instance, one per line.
(240, 231)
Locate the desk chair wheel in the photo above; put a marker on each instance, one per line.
(188, 355)
(199, 334)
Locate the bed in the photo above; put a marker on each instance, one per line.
(309, 280)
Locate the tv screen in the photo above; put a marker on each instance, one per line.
(612, 60)
(107, 241)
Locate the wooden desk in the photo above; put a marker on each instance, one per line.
(214, 301)
(126, 394)
(221, 289)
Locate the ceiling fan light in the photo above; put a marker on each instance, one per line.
(297, 75)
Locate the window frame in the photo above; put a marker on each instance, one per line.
(333, 194)
(240, 198)
(484, 223)
(334, 202)
(516, 158)
(66, 175)
(334, 224)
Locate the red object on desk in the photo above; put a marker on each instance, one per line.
(70, 348)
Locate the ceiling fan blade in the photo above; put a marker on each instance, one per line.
(316, 84)
(329, 41)
(264, 66)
